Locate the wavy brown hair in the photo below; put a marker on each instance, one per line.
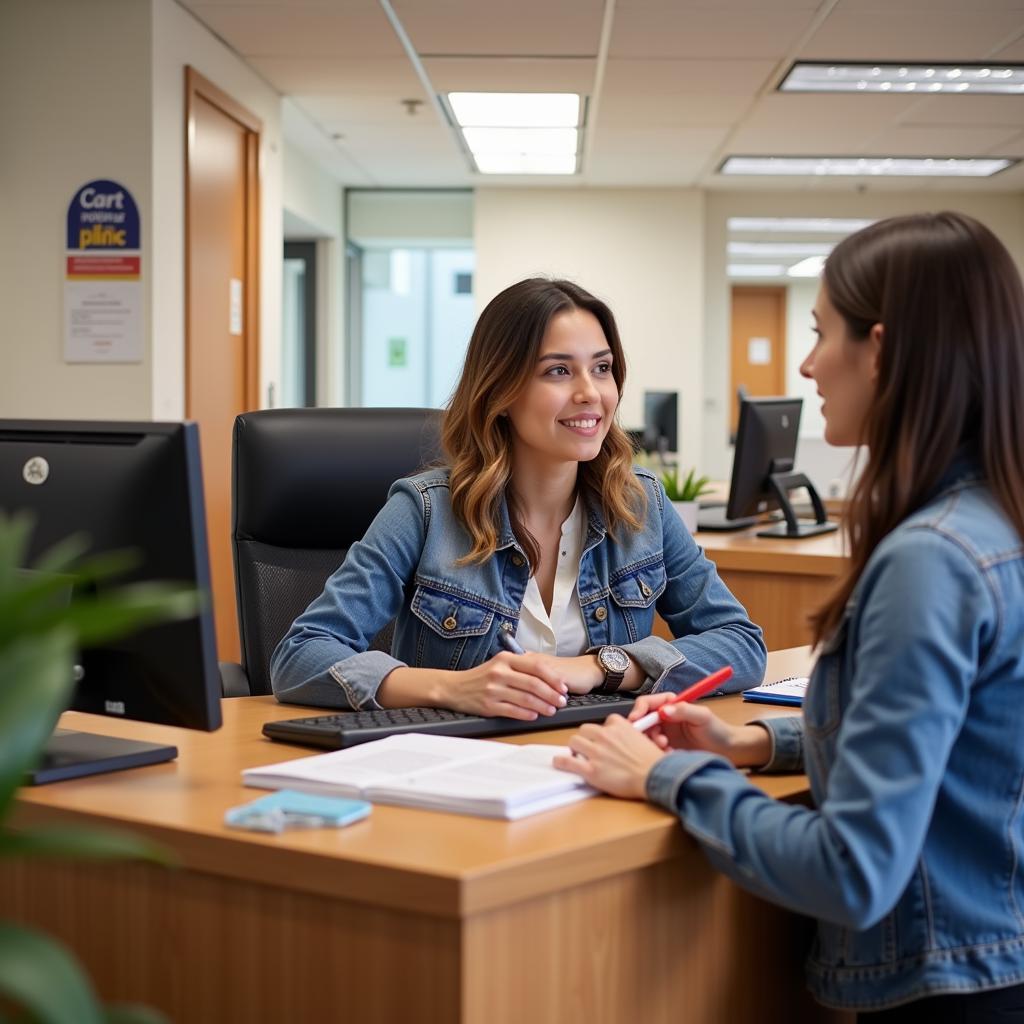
(477, 439)
(951, 371)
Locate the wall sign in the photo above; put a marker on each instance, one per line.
(102, 289)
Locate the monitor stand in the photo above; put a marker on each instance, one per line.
(72, 755)
(780, 485)
(714, 519)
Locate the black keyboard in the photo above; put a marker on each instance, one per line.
(347, 728)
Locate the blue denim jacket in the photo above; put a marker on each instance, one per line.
(913, 740)
(448, 616)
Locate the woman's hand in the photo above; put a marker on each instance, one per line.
(613, 757)
(519, 686)
(696, 727)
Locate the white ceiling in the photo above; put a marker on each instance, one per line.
(674, 86)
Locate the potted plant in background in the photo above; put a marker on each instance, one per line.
(683, 492)
(40, 634)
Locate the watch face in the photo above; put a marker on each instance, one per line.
(614, 659)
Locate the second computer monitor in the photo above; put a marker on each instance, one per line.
(763, 467)
(661, 417)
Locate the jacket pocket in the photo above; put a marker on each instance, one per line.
(450, 615)
(639, 586)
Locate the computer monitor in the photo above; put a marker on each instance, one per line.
(661, 416)
(126, 487)
(762, 468)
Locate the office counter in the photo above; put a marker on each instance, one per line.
(778, 581)
(601, 912)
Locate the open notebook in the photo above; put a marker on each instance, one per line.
(784, 691)
(443, 773)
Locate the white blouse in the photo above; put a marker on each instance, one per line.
(562, 632)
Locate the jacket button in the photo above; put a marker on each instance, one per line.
(450, 623)
(600, 613)
(644, 589)
(518, 560)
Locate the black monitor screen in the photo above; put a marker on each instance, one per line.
(660, 421)
(125, 487)
(763, 467)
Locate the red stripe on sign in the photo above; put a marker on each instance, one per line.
(97, 266)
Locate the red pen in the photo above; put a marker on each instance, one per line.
(691, 693)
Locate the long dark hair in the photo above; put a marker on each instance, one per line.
(951, 370)
(501, 358)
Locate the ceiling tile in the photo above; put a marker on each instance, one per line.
(528, 28)
(704, 78)
(511, 74)
(969, 110)
(670, 111)
(341, 76)
(282, 31)
(960, 34)
(930, 140)
(707, 34)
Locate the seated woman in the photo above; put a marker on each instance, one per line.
(912, 857)
(540, 527)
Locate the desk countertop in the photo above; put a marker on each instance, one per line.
(822, 555)
(445, 864)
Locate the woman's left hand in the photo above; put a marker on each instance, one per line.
(613, 757)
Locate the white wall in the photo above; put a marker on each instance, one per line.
(314, 209)
(386, 217)
(1002, 212)
(63, 123)
(66, 120)
(178, 39)
(641, 250)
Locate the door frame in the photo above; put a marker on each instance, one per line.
(198, 86)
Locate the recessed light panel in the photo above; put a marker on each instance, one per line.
(868, 166)
(779, 250)
(515, 109)
(755, 270)
(810, 267)
(1005, 79)
(519, 133)
(798, 225)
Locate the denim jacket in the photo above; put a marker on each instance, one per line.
(913, 740)
(448, 616)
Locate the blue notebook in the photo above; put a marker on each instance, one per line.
(784, 691)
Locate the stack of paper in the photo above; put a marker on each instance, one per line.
(444, 773)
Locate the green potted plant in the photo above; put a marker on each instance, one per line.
(40, 635)
(684, 492)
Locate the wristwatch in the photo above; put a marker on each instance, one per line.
(614, 661)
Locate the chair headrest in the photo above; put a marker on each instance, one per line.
(315, 478)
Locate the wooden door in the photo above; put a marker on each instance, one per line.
(758, 343)
(221, 317)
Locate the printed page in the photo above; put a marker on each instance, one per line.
(391, 762)
(515, 777)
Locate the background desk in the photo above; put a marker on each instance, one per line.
(601, 912)
(778, 581)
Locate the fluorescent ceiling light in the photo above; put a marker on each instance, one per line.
(802, 225)
(868, 166)
(1007, 79)
(777, 249)
(525, 163)
(536, 141)
(515, 109)
(755, 270)
(810, 267)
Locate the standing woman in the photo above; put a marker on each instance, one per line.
(538, 526)
(913, 728)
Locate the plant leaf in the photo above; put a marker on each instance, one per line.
(37, 678)
(87, 844)
(40, 976)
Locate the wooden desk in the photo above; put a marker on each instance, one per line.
(601, 912)
(778, 581)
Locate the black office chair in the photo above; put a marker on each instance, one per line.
(306, 485)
